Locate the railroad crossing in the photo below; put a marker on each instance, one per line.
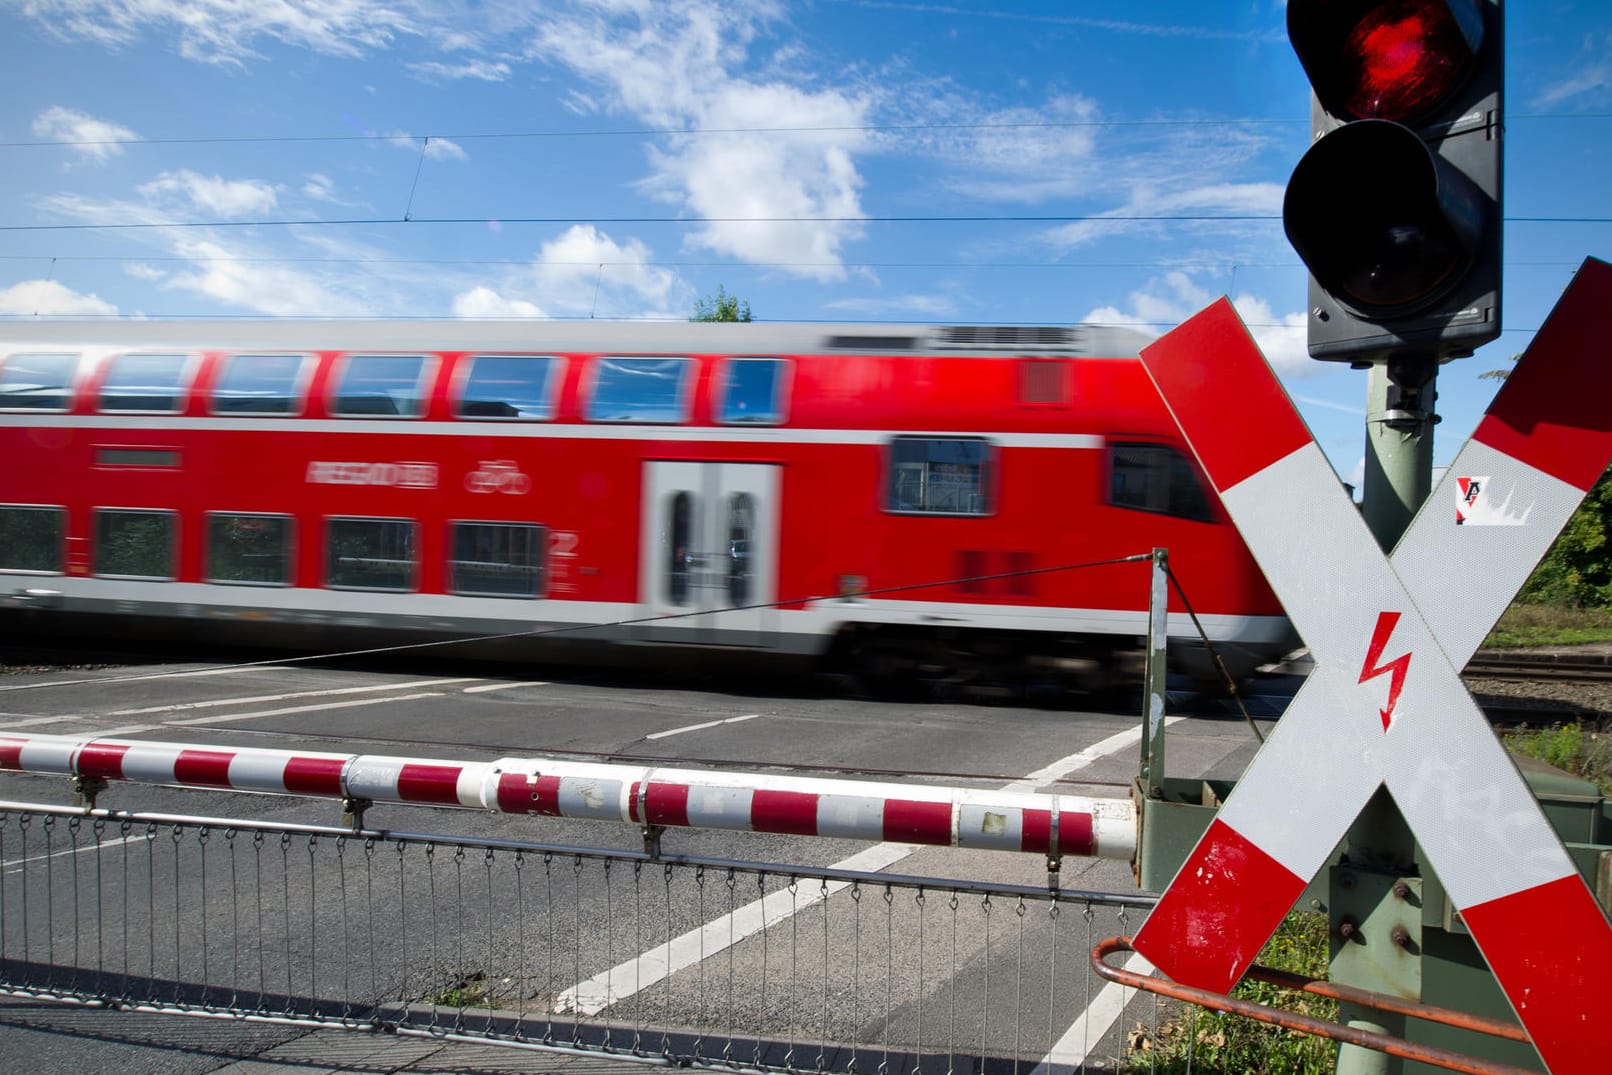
(1385, 705)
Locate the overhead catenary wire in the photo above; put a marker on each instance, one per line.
(406, 137)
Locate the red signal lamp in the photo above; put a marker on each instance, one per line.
(1395, 208)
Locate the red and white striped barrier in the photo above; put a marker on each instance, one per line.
(634, 794)
(1385, 705)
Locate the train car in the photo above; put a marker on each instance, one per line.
(903, 501)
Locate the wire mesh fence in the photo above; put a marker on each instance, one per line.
(690, 961)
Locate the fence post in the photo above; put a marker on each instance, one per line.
(1158, 615)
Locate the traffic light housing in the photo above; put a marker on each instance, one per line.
(1396, 207)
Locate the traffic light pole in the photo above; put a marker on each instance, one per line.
(1373, 902)
(1399, 455)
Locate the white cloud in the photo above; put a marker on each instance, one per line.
(438, 148)
(1208, 202)
(581, 273)
(676, 65)
(1168, 301)
(434, 147)
(47, 298)
(1589, 74)
(219, 273)
(227, 31)
(923, 306)
(1283, 338)
(1162, 305)
(319, 187)
(483, 70)
(210, 194)
(483, 301)
(95, 139)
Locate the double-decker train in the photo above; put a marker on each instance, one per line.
(902, 501)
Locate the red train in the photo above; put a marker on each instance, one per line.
(898, 499)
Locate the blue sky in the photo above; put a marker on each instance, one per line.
(445, 128)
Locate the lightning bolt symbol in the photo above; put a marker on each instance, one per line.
(1395, 669)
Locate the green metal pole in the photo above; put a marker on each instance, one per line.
(1367, 908)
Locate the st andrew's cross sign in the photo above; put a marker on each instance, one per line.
(1385, 705)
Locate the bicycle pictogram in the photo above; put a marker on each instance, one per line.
(498, 476)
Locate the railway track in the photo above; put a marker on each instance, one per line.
(1547, 667)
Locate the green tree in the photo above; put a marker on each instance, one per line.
(1577, 570)
(721, 307)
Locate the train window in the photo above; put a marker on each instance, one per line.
(680, 562)
(508, 386)
(150, 384)
(38, 382)
(741, 547)
(370, 554)
(135, 544)
(497, 560)
(249, 549)
(136, 457)
(1158, 478)
(31, 539)
(939, 476)
(640, 390)
(753, 391)
(381, 386)
(260, 384)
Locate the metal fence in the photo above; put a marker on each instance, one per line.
(671, 959)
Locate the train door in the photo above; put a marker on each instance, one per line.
(710, 545)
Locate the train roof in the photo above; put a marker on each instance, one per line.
(647, 337)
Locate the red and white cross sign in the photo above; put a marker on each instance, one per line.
(1385, 704)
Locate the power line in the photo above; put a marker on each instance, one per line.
(526, 262)
(669, 132)
(315, 319)
(481, 221)
(641, 132)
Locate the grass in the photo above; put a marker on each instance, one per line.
(1543, 625)
(469, 991)
(1583, 748)
(1213, 1044)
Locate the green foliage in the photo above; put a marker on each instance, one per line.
(1583, 750)
(721, 307)
(1577, 571)
(1546, 625)
(1211, 1043)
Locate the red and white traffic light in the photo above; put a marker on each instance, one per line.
(1396, 208)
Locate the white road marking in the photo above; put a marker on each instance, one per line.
(1093, 1024)
(485, 687)
(327, 693)
(624, 979)
(639, 973)
(226, 718)
(16, 865)
(30, 722)
(701, 727)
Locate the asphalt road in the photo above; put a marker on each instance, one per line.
(484, 713)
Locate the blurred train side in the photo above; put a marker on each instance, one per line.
(909, 501)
